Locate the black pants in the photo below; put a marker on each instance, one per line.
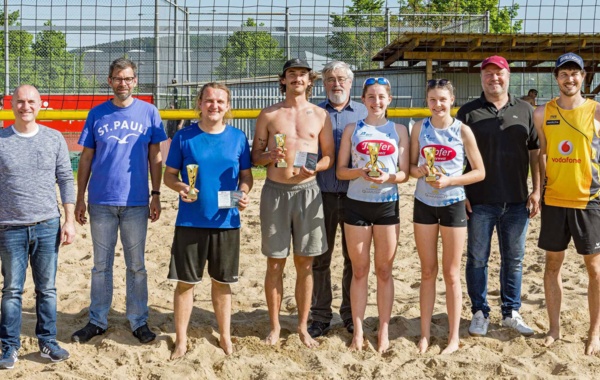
(322, 292)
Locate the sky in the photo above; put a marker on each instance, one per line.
(90, 19)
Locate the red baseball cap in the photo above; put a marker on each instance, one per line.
(495, 60)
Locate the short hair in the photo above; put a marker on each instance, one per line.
(120, 64)
(218, 86)
(24, 85)
(337, 65)
(532, 90)
(568, 66)
(312, 76)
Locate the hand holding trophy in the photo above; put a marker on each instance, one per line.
(430, 159)
(280, 143)
(373, 158)
(192, 171)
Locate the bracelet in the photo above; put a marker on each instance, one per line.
(154, 192)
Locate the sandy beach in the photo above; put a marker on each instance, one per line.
(503, 353)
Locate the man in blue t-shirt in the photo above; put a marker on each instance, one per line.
(207, 229)
(121, 140)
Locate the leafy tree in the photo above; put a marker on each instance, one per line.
(43, 61)
(361, 41)
(57, 67)
(501, 18)
(250, 53)
(20, 55)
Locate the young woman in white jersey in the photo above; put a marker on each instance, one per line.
(378, 149)
(440, 204)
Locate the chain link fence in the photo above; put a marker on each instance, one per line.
(65, 47)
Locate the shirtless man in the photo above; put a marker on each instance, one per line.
(290, 204)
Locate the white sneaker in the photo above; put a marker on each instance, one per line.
(479, 324)
(516, 322)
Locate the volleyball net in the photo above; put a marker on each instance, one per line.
(65, 47)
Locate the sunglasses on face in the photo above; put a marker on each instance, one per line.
(371, 81)
(437, 82)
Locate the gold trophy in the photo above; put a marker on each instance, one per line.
(430, 159)
(192, 171)
(373, 157)
(280, 142)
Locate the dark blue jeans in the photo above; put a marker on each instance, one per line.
(38, 245)
(511, 221)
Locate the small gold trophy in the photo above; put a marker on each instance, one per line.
(373, 157)
(280, 142)
(192, 170)
(430, 159)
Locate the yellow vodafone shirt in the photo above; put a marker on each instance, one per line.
(572, 148)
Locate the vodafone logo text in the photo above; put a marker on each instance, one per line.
(565, 147)
(442, 152)
(385, 148)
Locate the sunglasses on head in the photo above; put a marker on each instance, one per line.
(437, 82)
(381, 80)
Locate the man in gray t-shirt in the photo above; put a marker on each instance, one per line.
(33, 159)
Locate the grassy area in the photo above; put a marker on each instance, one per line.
(259, 172)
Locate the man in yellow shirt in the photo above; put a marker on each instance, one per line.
(569, 131)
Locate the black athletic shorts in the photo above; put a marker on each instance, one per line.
(359, 213)
(454, 215)
(559, 224)
(193, 247)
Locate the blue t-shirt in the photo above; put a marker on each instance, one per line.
(120, 137)
(219, 157)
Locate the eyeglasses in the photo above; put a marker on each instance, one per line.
(371, 81)
(437, 82)
(119, 80)
(341, 80)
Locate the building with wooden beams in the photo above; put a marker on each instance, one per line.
(461, 52)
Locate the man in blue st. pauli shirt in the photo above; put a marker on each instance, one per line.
(121, 140)
(337, 79)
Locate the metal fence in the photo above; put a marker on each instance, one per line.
(66, 46)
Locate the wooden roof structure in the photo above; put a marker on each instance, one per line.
(532, 49)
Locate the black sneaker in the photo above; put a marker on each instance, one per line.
(317, 329)
(349, 325)
(51, 350)
(88, 332)
(144, 334)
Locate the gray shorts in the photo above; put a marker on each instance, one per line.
(292, 211)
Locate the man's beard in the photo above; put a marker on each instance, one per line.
(337, 97)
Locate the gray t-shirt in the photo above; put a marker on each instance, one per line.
(30, 168)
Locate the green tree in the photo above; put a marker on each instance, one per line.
(501, 18)
(43, 61)
(250, 54)
(362, 34)
(56, 67)
(20, 55)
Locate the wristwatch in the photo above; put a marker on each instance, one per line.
(154, 192)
